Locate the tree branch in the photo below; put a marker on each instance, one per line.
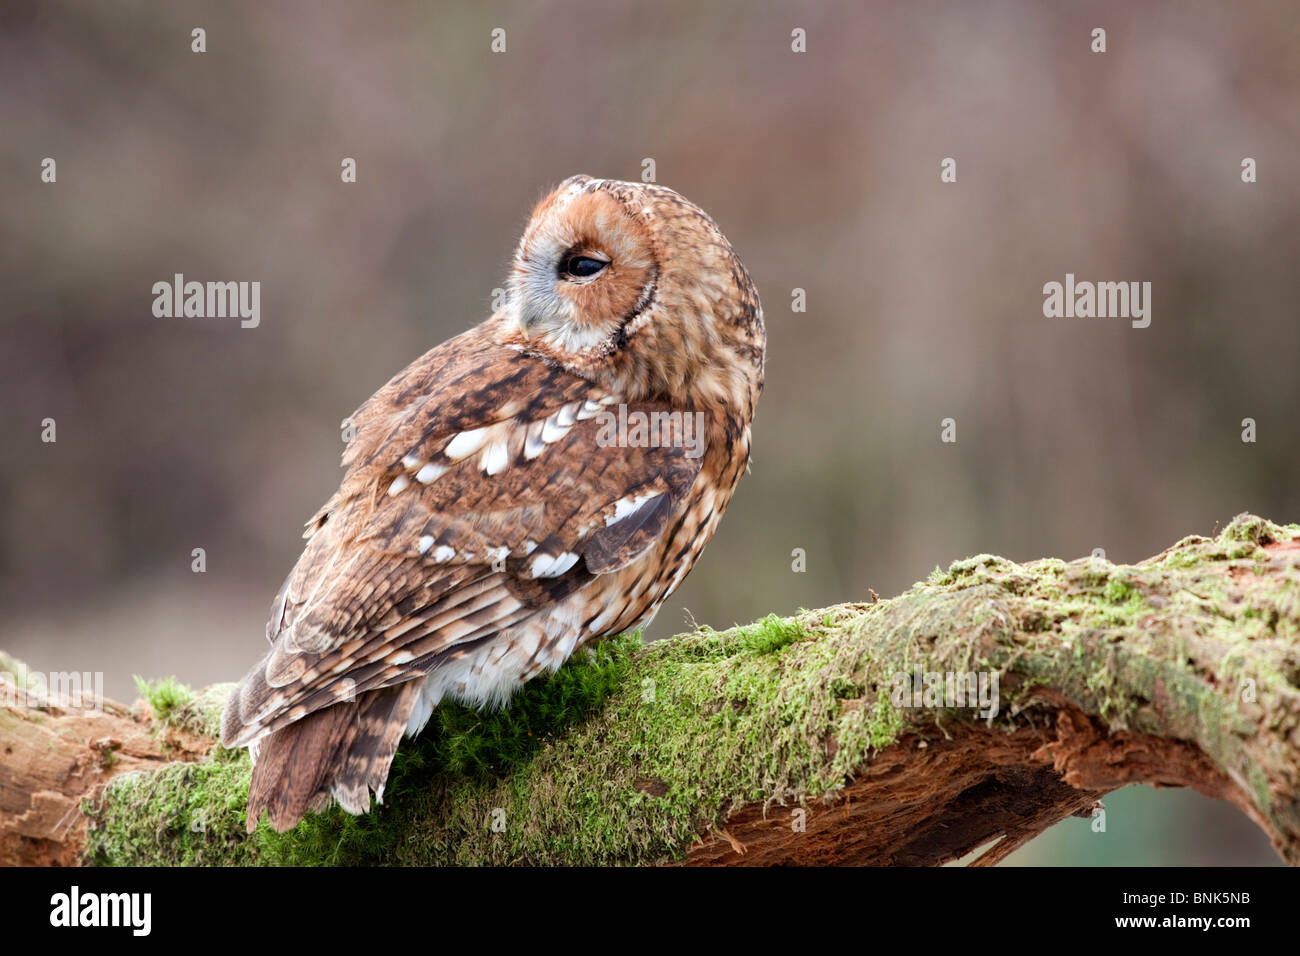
(780, 742)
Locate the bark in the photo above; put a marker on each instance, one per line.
(56, 755)
(793, 740)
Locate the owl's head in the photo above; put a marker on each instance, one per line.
(634, 287)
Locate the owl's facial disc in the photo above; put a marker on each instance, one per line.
(584, 270)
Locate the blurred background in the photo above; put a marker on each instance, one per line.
(924, 299)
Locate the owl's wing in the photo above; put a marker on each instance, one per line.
(482, 485)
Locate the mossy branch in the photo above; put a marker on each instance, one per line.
(784, 741)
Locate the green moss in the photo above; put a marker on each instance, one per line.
(1120, 590)
(669, 756)
(201, 715)
(771, 634)
(1256, 530)
(627, 754)
(979, 567)
(460, 742)
(165, 697)
(185, 814)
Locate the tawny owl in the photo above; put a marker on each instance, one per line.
(541, 481)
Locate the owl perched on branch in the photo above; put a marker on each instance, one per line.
(541, 481)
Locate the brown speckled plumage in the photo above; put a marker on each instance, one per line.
(486, 527)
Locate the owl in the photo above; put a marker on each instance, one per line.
(539, 482)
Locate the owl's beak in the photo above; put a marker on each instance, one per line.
(523, 323)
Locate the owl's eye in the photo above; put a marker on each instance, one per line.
(581, 267)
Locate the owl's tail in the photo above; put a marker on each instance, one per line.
(342, 751)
